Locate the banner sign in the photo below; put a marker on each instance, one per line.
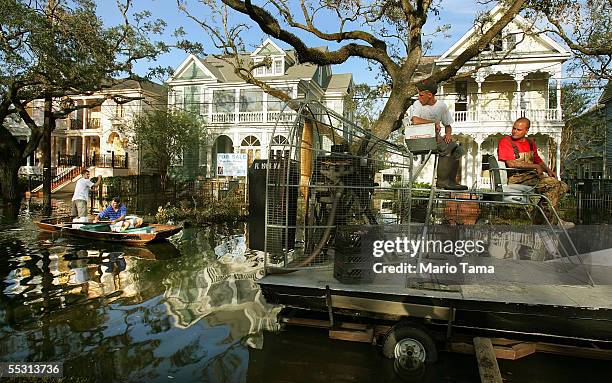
(231, 164)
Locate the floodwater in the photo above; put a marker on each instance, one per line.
(174, 312)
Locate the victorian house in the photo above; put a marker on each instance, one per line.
(240, 117)
(518, 75)
(96, 137)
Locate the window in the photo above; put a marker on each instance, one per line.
(276, 105)
(178, 97)
(119, 111)
(251, 100)
(192, 99)
(280, 140)
(177, 159)
(224, 101)
(250, 141)
(461, 101)
(278, 66)
(390, 178)
(497, 44)
(511, 40)
(280, 147)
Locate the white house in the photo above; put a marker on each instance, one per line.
(97, 138)
(94, 138)
(240, 117)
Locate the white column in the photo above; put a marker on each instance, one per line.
(83, 147)
(209, 158)
(558, 81)
(210, 104)
(558, 156)
(237, 142)
(478, 160)
(479, 80)
(468, 165)
(237, 104)
(265, 144)
(264, 108)
(518, 78)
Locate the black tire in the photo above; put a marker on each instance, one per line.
(404, 331)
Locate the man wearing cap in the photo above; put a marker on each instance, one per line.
(428, 110)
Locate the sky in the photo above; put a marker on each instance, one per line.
(459, 14)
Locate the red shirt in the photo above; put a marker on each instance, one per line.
(505, 151)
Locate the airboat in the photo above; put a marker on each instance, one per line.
(326, 209)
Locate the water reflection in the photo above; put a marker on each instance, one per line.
(115, 313)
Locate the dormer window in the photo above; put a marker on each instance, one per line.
(275, 69)
(278, 59)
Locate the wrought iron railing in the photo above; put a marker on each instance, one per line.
(112, 160)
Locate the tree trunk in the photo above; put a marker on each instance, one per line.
(9, 181)
(48, 128)
(390, 117)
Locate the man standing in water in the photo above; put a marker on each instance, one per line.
(81, 194)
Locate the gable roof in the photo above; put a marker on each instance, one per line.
(146, 85)
(340, 81)
(192, 68)
(293, 72)
(606, 96)
(518, 21)
(268, 48)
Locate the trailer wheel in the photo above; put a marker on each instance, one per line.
(410, 345)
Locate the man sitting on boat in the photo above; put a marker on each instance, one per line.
(116, 212)
(520, 154)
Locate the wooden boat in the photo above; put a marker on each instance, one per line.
(102, 232)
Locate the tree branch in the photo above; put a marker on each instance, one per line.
(268, 24)
(478, 46)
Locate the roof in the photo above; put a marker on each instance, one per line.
(340, 81)
(225, 72)
(606, 96)
(519, 22)
(143, 84)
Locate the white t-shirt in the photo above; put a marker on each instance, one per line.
(437, 112)
(81, 190)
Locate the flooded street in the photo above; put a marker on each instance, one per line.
(174, 312)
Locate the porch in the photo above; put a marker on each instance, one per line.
(251, 117)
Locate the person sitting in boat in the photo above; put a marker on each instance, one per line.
(116, 212)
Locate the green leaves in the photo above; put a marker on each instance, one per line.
(163, 135)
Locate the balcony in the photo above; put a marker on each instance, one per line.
(93, 123)
(252, 117)
(76, 124)
(507, 115)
